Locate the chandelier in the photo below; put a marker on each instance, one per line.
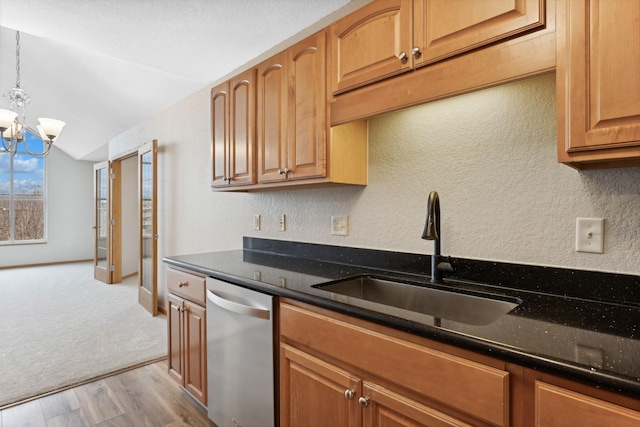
(13, 123)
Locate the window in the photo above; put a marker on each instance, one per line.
(22, 195)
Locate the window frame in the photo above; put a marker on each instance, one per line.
(12, 197)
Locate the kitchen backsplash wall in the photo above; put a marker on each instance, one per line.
(491, 155)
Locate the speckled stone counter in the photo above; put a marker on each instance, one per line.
(581, 325)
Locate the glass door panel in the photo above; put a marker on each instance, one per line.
(102, 259)
(147, 183)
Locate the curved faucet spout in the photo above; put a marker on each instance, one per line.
(432, 232)
(432, 223)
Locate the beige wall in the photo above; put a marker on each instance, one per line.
(491, 155)
(69, 216)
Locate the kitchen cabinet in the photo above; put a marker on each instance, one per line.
(187, 331)
(295, 142)
(233, 150)
(349, 372)
(598, 83)
(389, 37)
(558, 406)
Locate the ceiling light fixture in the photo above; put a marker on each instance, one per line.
(13, 122)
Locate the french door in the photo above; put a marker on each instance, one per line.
(147, 205)
(102, 222)
(106, 227)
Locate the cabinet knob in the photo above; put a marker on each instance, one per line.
(349, 393)
(403, 57)
(284, 171)
(364, 401)
(181, 284)
(416, 52)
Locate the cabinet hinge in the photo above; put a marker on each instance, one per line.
(112, 222)
(112, 268)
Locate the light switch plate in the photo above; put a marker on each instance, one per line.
(590, 235)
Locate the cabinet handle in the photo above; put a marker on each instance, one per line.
(403, 57)
(181, 284)
(349, 393)
(364, 401)
(416, 52)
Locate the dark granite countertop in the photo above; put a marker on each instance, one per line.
(582, 330)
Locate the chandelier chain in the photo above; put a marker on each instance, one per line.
(18, 59)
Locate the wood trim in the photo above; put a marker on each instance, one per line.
(41, 264)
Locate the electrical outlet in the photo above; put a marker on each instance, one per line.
(282, 225)
(256, 222)
(340, 225)
(590, 235)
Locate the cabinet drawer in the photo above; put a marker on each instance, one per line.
(464, 385)
(559, 406)
(186, 285)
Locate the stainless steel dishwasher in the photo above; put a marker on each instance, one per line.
(240, 356)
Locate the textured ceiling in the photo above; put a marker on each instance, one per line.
(103, 66)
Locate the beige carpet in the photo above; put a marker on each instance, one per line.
(59, 327)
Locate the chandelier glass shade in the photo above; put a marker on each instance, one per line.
(13, 123)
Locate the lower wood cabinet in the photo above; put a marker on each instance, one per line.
(337, 370)
(344, 374)
(187, 330)
(558, 406)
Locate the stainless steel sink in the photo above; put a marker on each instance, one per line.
(469, 307)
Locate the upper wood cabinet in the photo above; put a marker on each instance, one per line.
(389, 37)
(292, 113)
(294, 140)
(598, 83)
(233, 131)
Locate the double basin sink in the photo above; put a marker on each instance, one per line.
(442, 302)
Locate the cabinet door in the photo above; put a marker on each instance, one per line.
(598, 81)
(272, 119)
(242, 126)
(220, 135)
(307, 157)
(556, 406)
(176, 346)
(314, 393)
(365, 44)
(387, 408)
(195, 354)
(443, 28)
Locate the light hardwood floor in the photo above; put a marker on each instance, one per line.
(145, 396)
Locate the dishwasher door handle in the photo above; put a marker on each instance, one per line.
(235, 307)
